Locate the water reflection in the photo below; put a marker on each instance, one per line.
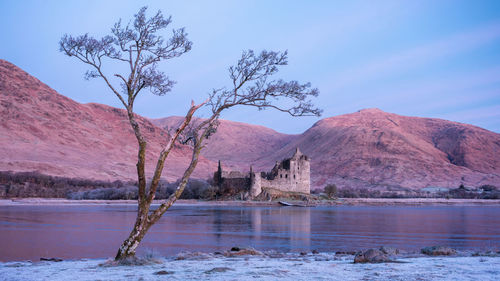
(291, 225)
(30, 232)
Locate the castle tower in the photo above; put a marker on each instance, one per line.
(299, 173)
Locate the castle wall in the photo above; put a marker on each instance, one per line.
(296, 179)
(233, 174)
(291, 175)
(256, 184)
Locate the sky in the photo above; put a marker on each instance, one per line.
(437, 59)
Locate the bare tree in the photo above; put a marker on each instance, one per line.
(141, 47)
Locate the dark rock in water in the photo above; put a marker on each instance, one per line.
(315, 252)
(303, 253)
(218, 269)
(163, 272)
(51, 259)
(371, 256)
(389, 251)
(438, 251)
(235, 249)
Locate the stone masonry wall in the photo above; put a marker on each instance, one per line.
(291, 175)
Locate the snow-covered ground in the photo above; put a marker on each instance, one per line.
(263, 267)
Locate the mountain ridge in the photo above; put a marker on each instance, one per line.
(45, 131)
(50, 133)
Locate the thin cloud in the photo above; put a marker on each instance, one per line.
(475, 114)
(441, 89)
(417, 56)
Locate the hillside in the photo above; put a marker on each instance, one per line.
(236, 144)
(44, 131)
(369, 148)
(372, 148)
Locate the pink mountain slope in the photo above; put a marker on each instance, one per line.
(44, 131)
(369, 148)
(237, 145)
(372, 148)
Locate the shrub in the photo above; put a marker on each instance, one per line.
(331, 190)
(488, 187)
(34, 184)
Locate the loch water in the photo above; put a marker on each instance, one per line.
(96, 231)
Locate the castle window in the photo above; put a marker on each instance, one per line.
(293, 176)
(281, 175)
(286, 175)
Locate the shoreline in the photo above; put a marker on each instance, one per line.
(291, 266)
(193, 202)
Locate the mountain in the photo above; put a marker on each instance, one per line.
(44, 131)
(237, 145)
(369, 148)
(376, 149)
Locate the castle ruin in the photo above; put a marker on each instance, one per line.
(291, 175)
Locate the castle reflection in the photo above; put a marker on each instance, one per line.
(289, 223)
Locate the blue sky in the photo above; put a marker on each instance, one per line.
(419, 58)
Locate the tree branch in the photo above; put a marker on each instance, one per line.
(168, 147)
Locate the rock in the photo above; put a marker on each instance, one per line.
(218, 269)
(274, 254)
(17, 264)
(390, 251)
(485, 254)
(193, 256)
(163, 272)
(131, 261)
(438, 251)
(371, 256)
(51, 259)
(303, 253)
(345, 253)
(242, 252)
(315, 252)
(235, 249)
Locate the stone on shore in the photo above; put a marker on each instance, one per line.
(390, 251)
(371, 256)
(218, 270)
(242, 252)
(438, 251)
(163, 272)
(51, 259)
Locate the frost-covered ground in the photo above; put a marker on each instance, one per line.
(262, 267)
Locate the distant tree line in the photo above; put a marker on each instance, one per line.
(462, 192)
(34, 184)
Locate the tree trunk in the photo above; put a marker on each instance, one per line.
(144, 221)
(128, 247)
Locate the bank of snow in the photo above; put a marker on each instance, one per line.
(287, 267)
